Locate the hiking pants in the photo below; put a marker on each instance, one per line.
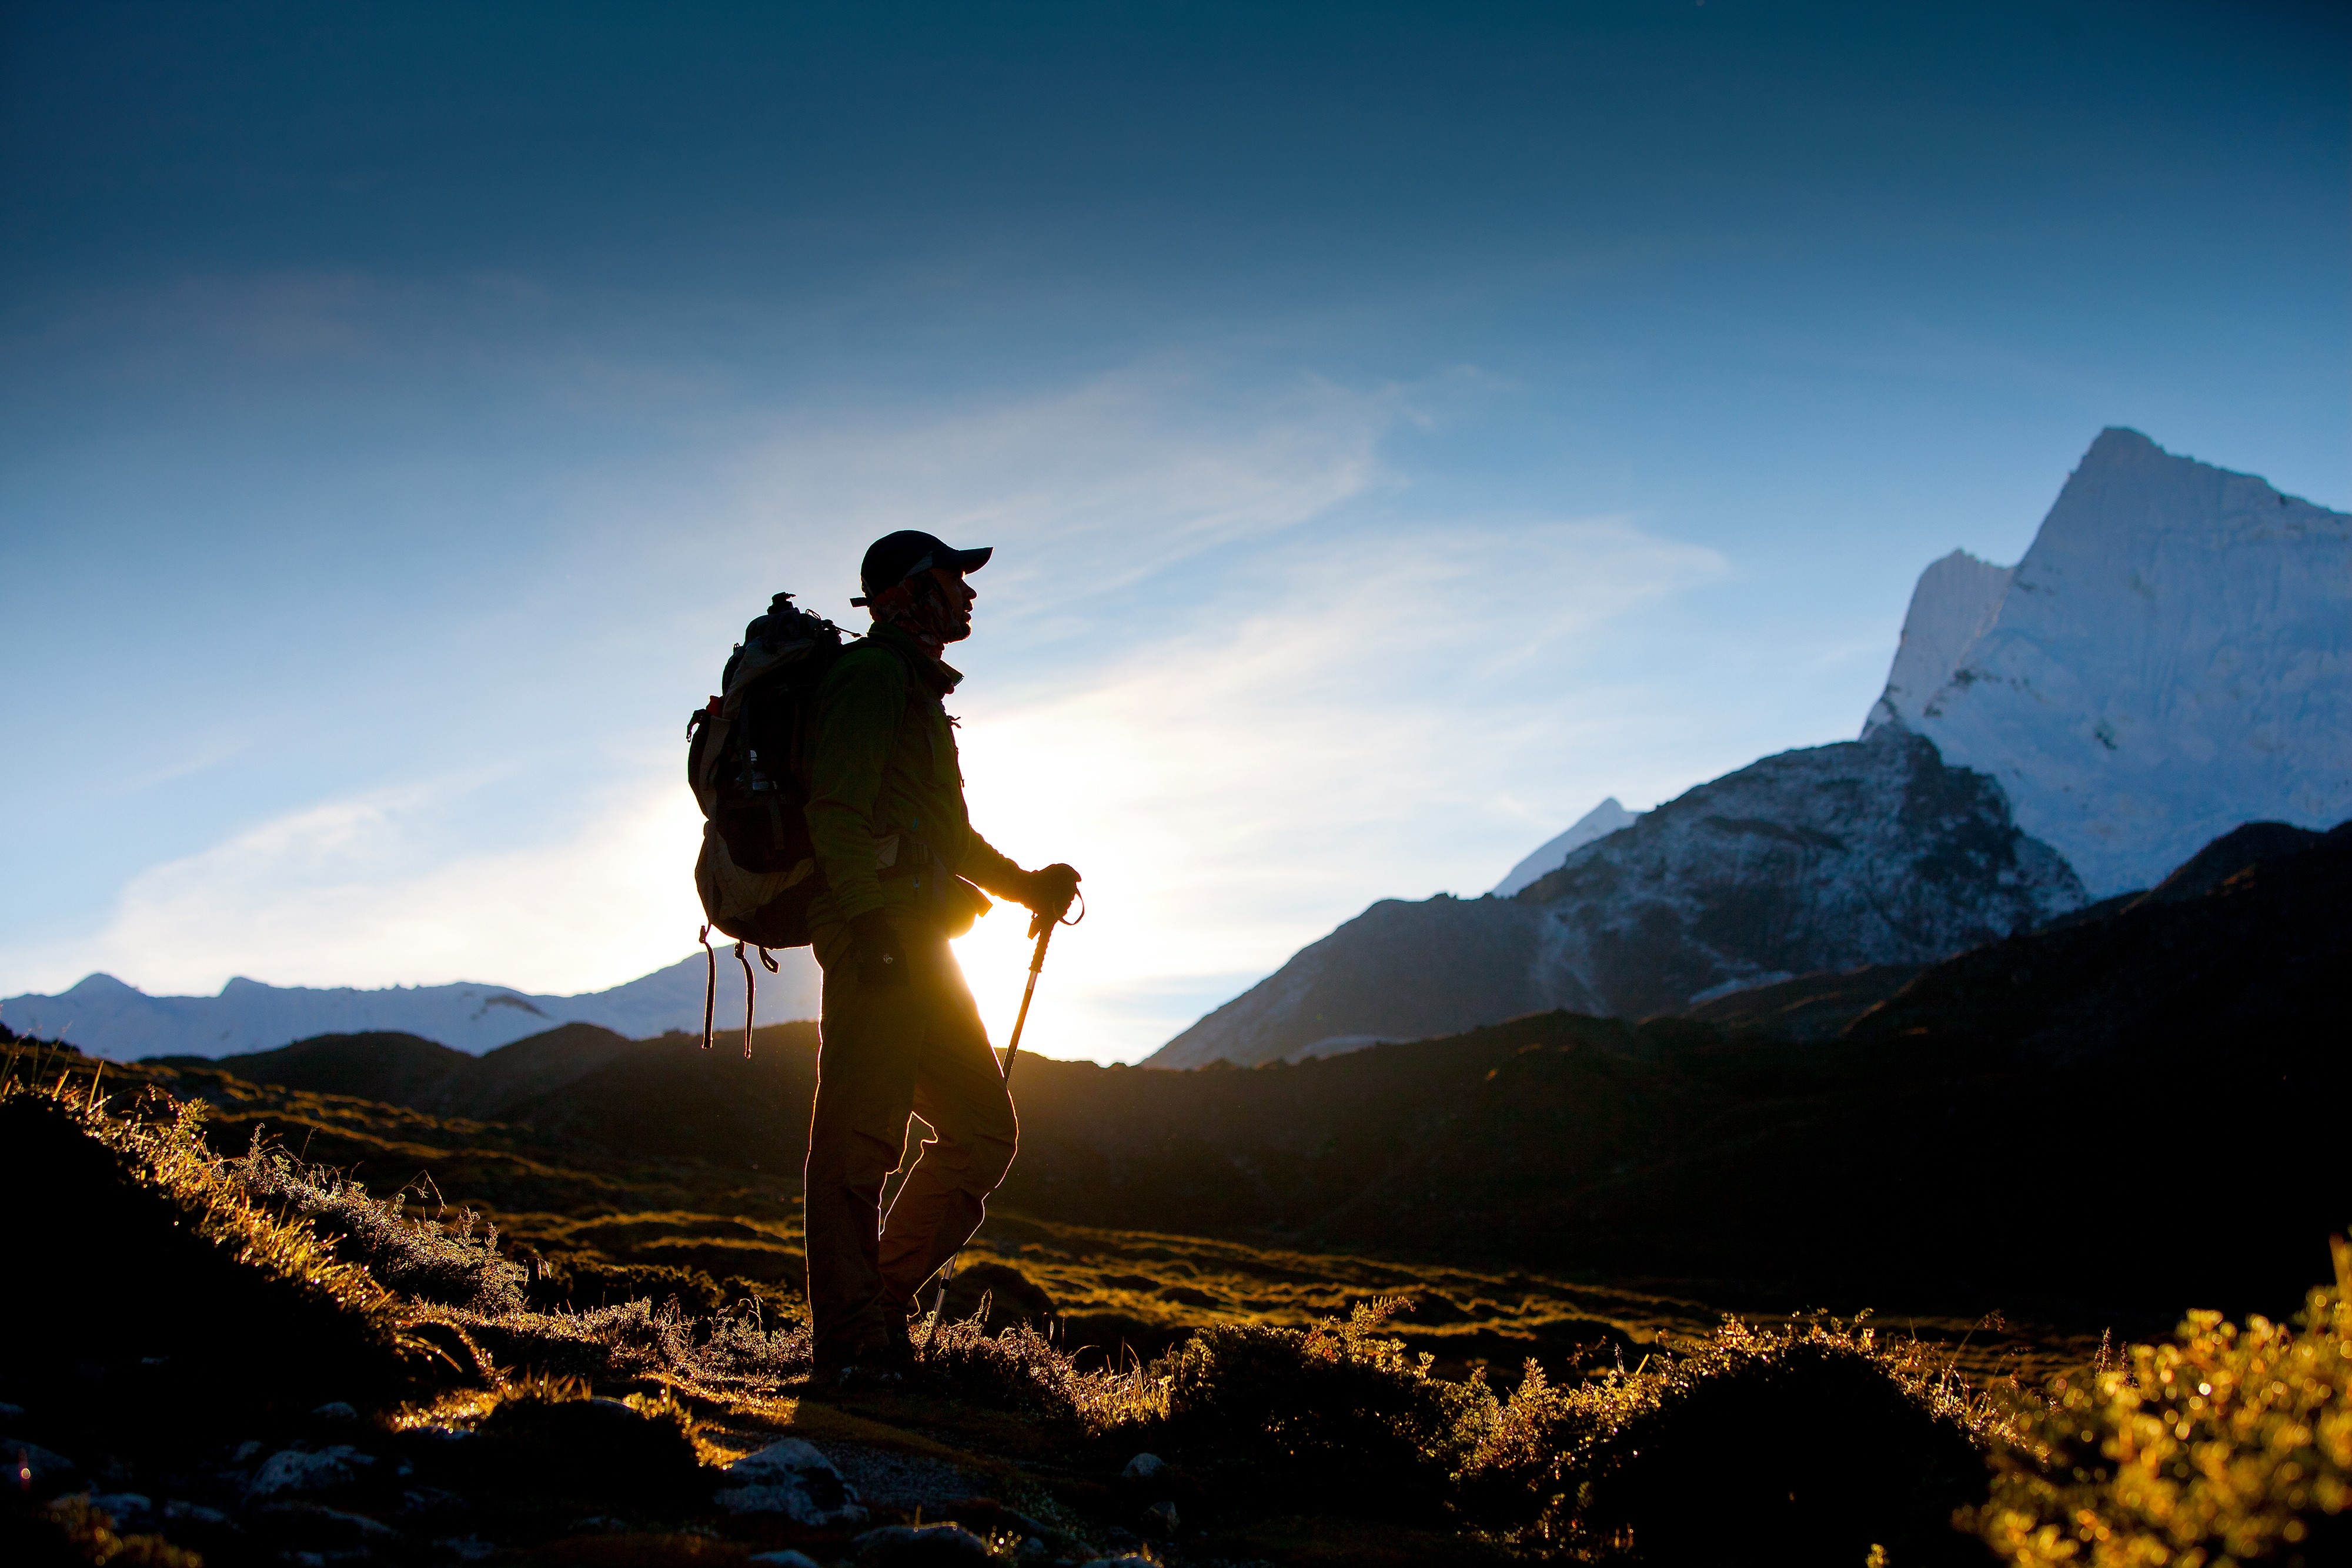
(918, 1048)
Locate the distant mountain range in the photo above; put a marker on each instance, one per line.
(2172, 657)
(107, 1017)
(1945, 1136)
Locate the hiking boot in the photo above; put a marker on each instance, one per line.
(877, 1364)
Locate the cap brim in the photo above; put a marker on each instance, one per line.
(969, 560)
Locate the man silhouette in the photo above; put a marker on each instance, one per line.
(900, 1034)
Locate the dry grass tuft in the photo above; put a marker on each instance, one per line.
(171, 1271)
(423, 1260)
(159, 1149)
(1023, 1369)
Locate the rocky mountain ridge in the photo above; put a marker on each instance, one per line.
(2171, 658)
(1597, 823)
(1870, 851)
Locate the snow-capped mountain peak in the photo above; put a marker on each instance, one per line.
(1597, 823)
(1953, 605)
(2169, 659)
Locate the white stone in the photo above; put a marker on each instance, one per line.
(121, 1506)
(292, 1470)
(791, 1478)
(1143, 1467)
(922, 1542)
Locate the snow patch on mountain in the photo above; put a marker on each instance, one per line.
(107, 1017)
(1597, 823)
(2172, 657)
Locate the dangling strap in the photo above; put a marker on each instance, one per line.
(750, 994)
(769, 961)
(710, 984)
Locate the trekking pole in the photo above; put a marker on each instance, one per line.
(1020, 1019)
(1045, 929)
(1037, 962)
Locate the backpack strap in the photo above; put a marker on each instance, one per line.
(750, 994)
(914, 687)
(710, 984)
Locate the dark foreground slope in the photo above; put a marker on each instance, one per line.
(158, 1391)
(1999, 1131)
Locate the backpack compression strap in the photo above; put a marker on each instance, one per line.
(710, 984)
(750, 994)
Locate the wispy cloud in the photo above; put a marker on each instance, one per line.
(1232, 793)
(371, 891)
(1242, 704)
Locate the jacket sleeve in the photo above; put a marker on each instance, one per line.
(984, 864)
(858, 706)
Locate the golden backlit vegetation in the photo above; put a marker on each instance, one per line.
(226, 1287)
(2231, 1444)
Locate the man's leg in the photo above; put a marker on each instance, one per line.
(960, 1090)
(866, 1065)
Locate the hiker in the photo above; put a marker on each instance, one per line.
(900, 1031)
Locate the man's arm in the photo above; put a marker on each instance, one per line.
(986, 864)
(1046, 893)
(858, 708)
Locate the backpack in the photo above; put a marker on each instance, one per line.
(747, 756)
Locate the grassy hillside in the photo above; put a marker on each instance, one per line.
(212, 1300)
(1455, 1301)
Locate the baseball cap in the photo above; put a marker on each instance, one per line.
(894, 558)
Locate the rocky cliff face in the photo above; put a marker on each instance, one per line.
(1873, 852)
(1870, 851)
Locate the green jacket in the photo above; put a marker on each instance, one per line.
(885, 763)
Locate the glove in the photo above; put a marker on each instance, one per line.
(1048, 895)
(874, 948)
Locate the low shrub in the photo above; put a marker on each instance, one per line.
(70, 1534)
(1811, 1446)
(1336, 1412)
(568, 1281)
(2226, 1445)
(1024, 1369)
(638, 1340)
(553, 1437)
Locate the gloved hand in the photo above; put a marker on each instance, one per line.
(874, 948)
(1048, 895)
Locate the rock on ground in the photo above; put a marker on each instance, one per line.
(791, 1478)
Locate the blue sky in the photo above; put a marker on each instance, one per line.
(1399, 427)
